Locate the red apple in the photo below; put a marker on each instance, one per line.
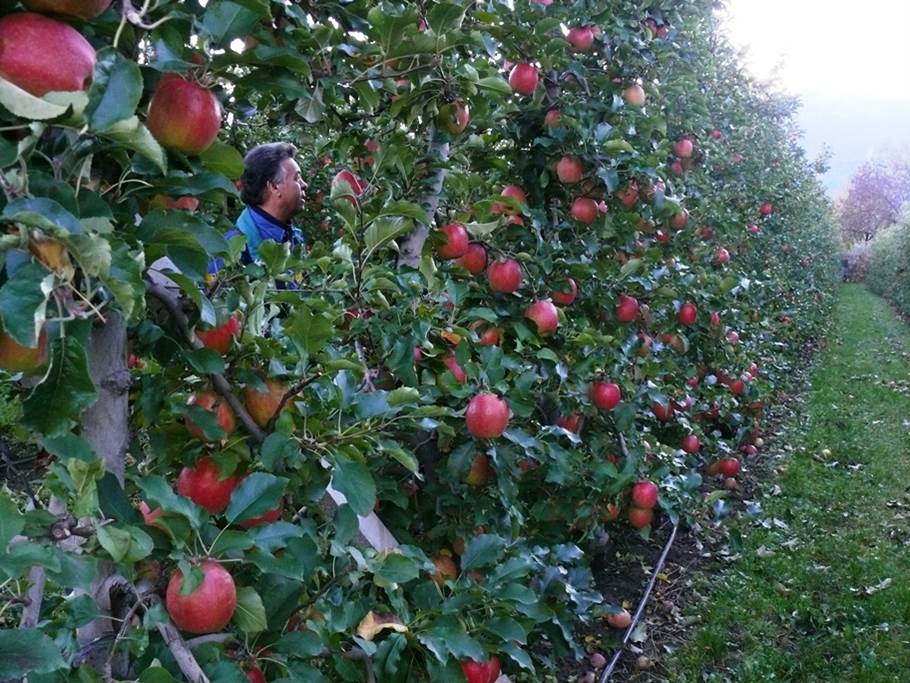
(628, 195)
(523, 78)
(204, 485)
(212, 402)
(767, 208)
(679, 220)
(733, 337)
(219, 338)
(552, 118)
(489, 335)
(209, 607)
(474, 259)
(487, 416)
(621, 618)
(662, 412)
(639, 517)
(634, 95)
(254, 675)
(683, 148)
(42, 55)
(456, 241)
(688, 314)
(584, 210)
(729, 467)
(566, 296)
(644, 494)
(545, 315)
(345, 176)
(452, 364)
(572, 423)
(481, 672)
(267, 518)
(691, 444)
(663, 236)
(454, 117)
(77, 9)
(716, 134)
(504, 275)
(569, 169)
(581, 38)
(480, 473)
(605, 395)
(737, 387)
(262, 405)
(715, 319)
(722, 255)
(627, 308)
(515, 193)
(183, 116)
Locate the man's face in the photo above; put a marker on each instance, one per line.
(290, 192)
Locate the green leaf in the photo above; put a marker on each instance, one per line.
(113, 501)
(257, 494)
(156, 674)
(310, 106)
(224, 21)
(445, 16)
(23, 104)
(27, 651)
(116, 89)
(481, 551)
(300, 644)
(250, 613)
(82, 609)
(496, 84)
(309, 331)
(133, 134)
(396, 568)
(23, 302)
(159, 493)
(447, 637)
(275, 536)
(221, 158)
(65, 393)
(481, 229)
(44, 213)
(11, 521)
(70, 446)
(205, 361)
(383, 230)
(353, 479)
(276, 449)
(115, 541)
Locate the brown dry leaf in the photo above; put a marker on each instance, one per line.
(374, 623)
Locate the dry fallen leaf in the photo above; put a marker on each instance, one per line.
(374, 623)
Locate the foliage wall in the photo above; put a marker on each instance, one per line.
(888, 256)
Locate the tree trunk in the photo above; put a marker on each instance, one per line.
(413, 247)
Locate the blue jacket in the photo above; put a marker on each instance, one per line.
(257, 226)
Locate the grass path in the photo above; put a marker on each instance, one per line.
(822, 591)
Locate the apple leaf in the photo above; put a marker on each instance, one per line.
(354, 480)
(24, 104)
(116, 90)
(481, 551)
(257, 494)
(225, 21)
(221, 158)
(159, 493)
(67, 390)
(43, 213)
(11, 521)
(250, 613)
(133, 134)
(27, 651)
(23, 301)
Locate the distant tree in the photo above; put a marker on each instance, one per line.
(874, 198)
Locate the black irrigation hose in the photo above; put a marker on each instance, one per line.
(605, 676)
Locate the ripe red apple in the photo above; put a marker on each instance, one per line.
(628, 195)
(42, 55)
(474, 259)
(345, 176)
(683, 148)
(716, 134)
(767, 208)
(729, 467)
(753, 228)
(737, 387)
(456, 241)
(183, 116)
(566, 296)
(267, 518)
(77, 9)
(634, 95)
(204, 485)
(552, 118)
(254, 675)
(212, 402)
(446, 568)
(504, 275)
(679, 220)
(452, 364)
(662, 412)
(627, 308)
(545, 315)
(489, 335)
(209, 607)
(584, 210)
(220, 337)
(481, 672)
(688, 314)
(722, 255)
(663, 236)
(454, 117)
(581, 38)
(619, 619)
(733, 337)
(639, 517)
(569, 169)
(523, 78)
(572, 423)
(691, 444)
(605, 395)
(480, 473)
(516, 193)
(487, 416)
(715, 319)
(644, 494)
(262, 405)
(17, 358)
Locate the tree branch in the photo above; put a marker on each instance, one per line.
(413, 246)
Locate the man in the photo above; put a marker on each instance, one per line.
(274, 191)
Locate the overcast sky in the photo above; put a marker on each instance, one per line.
(848, 61)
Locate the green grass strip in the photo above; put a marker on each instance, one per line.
(822, 589)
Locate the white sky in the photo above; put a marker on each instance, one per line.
(849, 48)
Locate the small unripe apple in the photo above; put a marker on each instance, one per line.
(480, 472)
(14, 357)
(552, 118)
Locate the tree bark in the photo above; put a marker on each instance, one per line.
(412, 248)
